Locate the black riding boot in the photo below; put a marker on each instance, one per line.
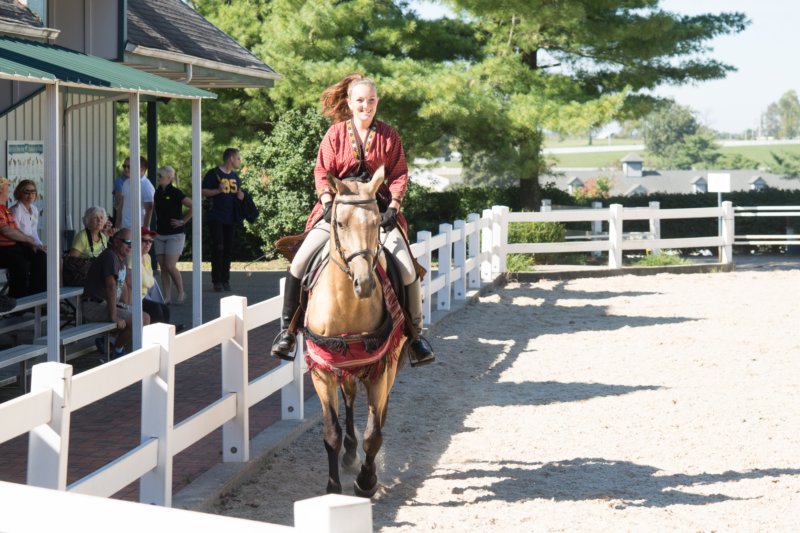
(284, 344)
(420, 350)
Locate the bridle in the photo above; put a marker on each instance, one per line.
(344, 266)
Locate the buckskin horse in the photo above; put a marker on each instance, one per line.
(354, 330)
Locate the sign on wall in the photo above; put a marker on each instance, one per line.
(25, 160)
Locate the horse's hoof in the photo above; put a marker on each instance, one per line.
(349, 460)
(365, 493)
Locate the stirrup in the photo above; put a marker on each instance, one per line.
(283, 345)
(420, 352)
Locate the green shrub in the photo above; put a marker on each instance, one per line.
(280, 177)
(533, 232)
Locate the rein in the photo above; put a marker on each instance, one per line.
(344, 266)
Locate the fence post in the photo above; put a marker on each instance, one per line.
(655, 227)
(486, 246)
(597, 226)
(333, 513)
(615, 236)
(425, 260)
(158, 416)
(445, 267)
(472, 242)
(547, 205)
(460, 260)
(499, 238)
(48, 445)
(727, 232)
(293, 394)
(236, 432)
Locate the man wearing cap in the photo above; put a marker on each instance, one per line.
(106, 292)
(24, 258)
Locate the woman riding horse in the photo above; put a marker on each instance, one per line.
(354, 147)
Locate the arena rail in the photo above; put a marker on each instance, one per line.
(467, 253)
(55, 394)
(475, 251)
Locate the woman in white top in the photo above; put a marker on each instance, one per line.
(25, 213)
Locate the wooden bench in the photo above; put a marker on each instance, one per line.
(37, 302)
(83, 331)
(21, 354)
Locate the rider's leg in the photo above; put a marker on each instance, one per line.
(420, 352)
(284, 344)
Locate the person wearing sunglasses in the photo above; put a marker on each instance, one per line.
(106, 296)
(158, 311)
(25, 211)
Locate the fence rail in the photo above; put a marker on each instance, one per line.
(768, 211)
(467, 253)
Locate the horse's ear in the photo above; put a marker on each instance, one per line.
(335, 183)
(377, 180)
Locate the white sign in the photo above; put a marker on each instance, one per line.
(719, 182)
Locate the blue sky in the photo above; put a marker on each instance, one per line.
(762, 54)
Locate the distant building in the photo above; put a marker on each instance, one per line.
(633, 180)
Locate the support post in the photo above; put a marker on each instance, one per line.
(597, 227)
(499, 238)
(445, 267)
(487, 246)
(460, 261)
(727, 233)
(333, 513)
(135, 208)
(48, 448)
(615, 236)
(52, 221)
(235, 380)
(655, 227)
(197, 218)
(425, 260)
(158, 416)
(292, 395)
(473, 249)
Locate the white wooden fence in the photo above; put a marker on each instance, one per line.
(787, 239)
(468, 253)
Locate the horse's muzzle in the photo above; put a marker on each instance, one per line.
(364, 287)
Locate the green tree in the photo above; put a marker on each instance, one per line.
(786, 164)
(280, 176)
(666, 128)
(493, 78)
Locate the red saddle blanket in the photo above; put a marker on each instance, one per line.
(364, 356)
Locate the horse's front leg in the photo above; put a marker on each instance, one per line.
(350, 441)
(327, 390)
(366, 483)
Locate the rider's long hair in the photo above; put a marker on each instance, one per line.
(334, 98)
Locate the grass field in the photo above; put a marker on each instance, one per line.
(760, 154)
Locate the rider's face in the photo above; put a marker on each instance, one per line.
(363, 102)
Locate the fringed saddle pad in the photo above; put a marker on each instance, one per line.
(362, 356)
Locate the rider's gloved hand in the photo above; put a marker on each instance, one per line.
(327, 211)
(389, 219)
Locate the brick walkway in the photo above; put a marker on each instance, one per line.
(110, 427)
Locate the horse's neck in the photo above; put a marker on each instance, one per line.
(334, 308)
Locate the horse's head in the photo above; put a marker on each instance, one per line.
(355, 230)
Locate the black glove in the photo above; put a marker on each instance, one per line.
(389, 219)
(327, 212)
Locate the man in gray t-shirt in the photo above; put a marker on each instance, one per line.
(106, 289)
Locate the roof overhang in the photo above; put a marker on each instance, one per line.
(204, 72)
(36, 62)
(28, 31)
